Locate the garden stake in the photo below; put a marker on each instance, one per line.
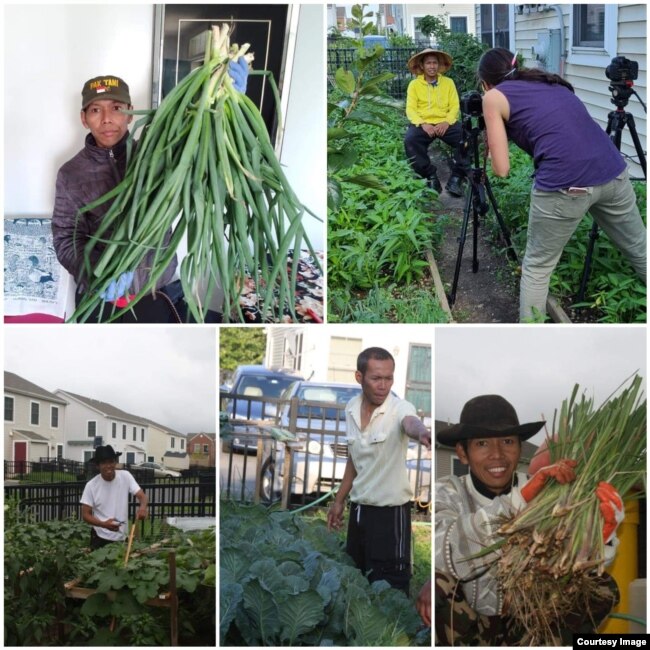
(126, 561)
(128, 548)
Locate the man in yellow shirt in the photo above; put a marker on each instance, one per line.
(432, 107)
(379, 426)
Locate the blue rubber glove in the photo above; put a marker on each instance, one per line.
(118, 287)
(238, 71)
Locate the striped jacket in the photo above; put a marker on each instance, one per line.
(467, 523)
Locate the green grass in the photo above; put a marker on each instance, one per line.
(48, 477)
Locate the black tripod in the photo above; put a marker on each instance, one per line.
(616, 122)
(475, 202)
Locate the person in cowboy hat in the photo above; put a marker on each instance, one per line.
(105, 499)
(432, 107)
(469, 511)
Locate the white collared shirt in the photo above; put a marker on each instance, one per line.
(379, 453)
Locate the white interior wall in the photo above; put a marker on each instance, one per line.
(51, 50)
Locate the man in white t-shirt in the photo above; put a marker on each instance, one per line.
(378, 428)
(105, 499)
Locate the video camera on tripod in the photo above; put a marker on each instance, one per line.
(471, 104)
(479, 195)
(622, 72)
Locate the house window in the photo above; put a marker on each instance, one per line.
(113, 429)
(206, 449)
(92, 428)
(458, 468)
(495, 25)
(135, 434)
(9, 409)
(458, 24)
(141, 435)
(59, 451)
(594, 36)
(182, 444)
(418, 378)
(197, 448)
(589, 25)
(343, 358)
(34, 413)
(124, 432)
(418, 36)
(54, 417)
(173, 442)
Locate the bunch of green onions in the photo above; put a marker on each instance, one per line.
(204, 168)
(554, 552)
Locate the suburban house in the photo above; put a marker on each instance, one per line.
(34, 421)
(447, 462)
(202, 449)
(166, 446)
(334, 358)
(90, 422)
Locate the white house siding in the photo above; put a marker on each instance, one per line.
(21, 421)
(159, 443)
(78, 416)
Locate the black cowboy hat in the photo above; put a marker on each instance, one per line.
(487, 416)
(105, 453)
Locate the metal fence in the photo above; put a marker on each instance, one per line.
(297, 456)
(61, 470)
(178, 497)
(393, 60)
(46, 502)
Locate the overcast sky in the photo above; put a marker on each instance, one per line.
(534, 368)
(166, 374)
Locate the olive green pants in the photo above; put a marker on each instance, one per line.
(553, 218)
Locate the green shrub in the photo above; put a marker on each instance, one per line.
(614, 291)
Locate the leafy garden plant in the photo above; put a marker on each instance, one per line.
(286, 581)
(614, 293)
(40, 558)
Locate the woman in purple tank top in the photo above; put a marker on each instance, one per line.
(577, 170)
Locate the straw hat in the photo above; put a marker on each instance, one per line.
(487, 416)
(415, 62)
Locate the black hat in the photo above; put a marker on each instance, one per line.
(105, 453)
(487, 416)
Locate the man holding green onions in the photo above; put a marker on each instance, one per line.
(97, 169)
(378, 426)
(469, 512)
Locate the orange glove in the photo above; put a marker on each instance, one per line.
(611, 507)
(562, 472)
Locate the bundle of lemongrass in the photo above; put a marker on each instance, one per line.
(205, 168)
(554, 553)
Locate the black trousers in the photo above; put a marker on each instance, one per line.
(98, 542)
(379, 542)
(416, 146)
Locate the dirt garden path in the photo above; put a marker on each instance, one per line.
(492, 294)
